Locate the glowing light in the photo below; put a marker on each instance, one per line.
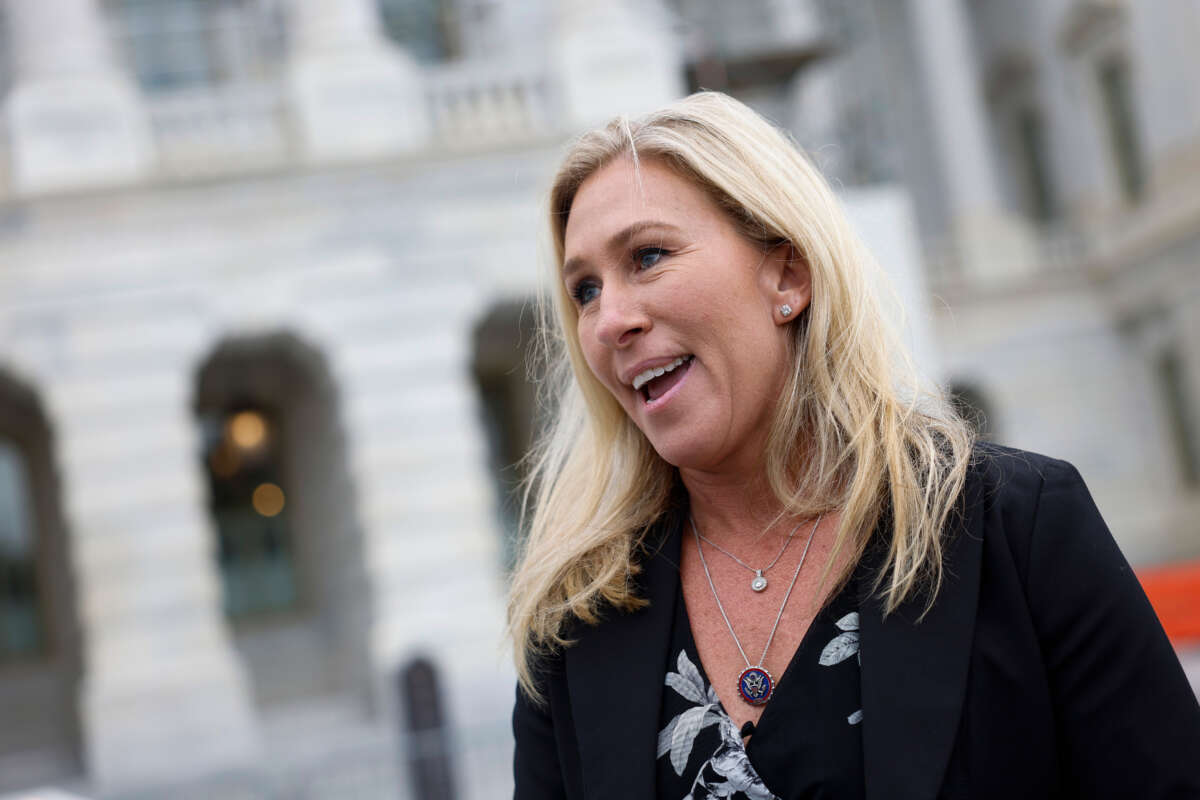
(268, 499)
(248, 430)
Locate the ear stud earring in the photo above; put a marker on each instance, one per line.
(785, 310)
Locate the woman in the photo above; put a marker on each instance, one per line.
(741, 490)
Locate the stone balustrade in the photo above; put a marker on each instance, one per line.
(201, 130)
(478, 104)
(225, 129)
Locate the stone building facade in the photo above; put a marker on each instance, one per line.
(262, 271)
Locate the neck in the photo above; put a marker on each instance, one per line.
(733, 508)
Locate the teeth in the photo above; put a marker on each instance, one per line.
(642, 377)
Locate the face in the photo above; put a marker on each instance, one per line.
(679, 314)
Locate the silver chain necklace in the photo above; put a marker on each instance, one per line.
(759, 583)
(755, 685)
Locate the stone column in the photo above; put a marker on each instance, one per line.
(164, 697)
(74, 120)
(991, 243)
(614, 58)
(355, 95)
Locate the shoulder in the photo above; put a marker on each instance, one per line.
(1034, 514)
(1018, 492)
(1008, 475)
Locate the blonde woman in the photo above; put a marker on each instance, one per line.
(763, 564)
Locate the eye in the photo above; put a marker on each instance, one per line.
(585, 291)
(647, 257)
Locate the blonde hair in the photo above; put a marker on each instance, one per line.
(853, 430)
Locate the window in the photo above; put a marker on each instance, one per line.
(249, 506)
(21, 626)
(971, 404)
(1098, 36)
(39, 642)
(429, 751)
(1116, 98)
(508, 406)
(1171, 381)
(1031, 153)
(1015, 105)
(287, 545)
(421, 27)
(174, 44)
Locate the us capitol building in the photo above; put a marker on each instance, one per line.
(264, 273)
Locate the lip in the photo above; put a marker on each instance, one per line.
(651, 406)
(629, 374)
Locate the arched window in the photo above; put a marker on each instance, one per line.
(973, 406)
(39, 646)
(1172, 381)
(427, 739)
(502, 347)
(1022, 136)
(1116, 101)
(22, 629)
(288, 546)
(422, 27)
(1097, 35)
(243, 453)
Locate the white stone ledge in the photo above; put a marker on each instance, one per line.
(397, 359)
(111, 544)
(383, 499)
(129, 449)
(398, 457)
(411, 554)
(412, 408)
(144, 588)
(101, 492)
(107, 399)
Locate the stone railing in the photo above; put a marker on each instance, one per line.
(1049, 250)
(222, 129)
(219, 128)
(478, 104)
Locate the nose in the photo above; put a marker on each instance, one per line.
(622, 317)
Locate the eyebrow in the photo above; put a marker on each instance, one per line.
(617, 241)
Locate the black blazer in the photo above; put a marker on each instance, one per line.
(1040, 672)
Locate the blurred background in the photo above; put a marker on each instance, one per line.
(264, 273)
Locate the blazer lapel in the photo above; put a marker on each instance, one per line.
(615, 675)
(914, 673)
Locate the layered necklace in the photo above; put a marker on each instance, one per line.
(755, 685)
(759, 582)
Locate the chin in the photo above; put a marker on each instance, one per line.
(683, 455)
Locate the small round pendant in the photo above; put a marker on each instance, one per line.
(759, 583)
(755, 685)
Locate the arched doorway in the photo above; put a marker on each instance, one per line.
(288, 546)
(973, 406)
(39, 642)
(503, 345)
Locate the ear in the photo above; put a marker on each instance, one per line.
(786, 281)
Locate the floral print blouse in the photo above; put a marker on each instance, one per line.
(808, 741)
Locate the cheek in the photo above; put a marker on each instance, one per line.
(593, 354)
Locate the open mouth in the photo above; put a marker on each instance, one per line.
(654, 383)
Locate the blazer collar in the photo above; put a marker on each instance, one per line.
(914, 669)
(615, 679)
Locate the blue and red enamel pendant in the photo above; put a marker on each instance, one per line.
(755, 685)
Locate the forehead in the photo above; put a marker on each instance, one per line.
(618, 196)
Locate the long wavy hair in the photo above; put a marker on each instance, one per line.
(854, 430)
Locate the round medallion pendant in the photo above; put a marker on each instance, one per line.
(755, 685)
(759, 583)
